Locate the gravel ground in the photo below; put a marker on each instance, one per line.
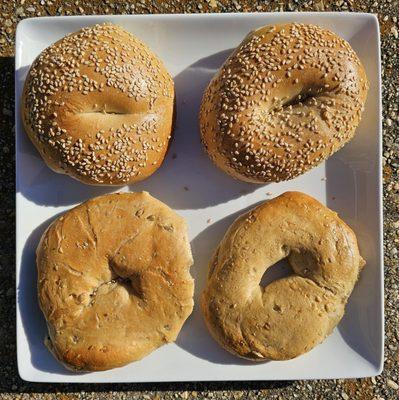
(384, 387)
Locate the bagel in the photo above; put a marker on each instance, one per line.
(99, 106)
(114, 281)
(287, 98)
(291, 315)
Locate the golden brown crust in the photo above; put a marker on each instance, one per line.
(291, 315)
(98, 105)
(113, 280)
(285, 100)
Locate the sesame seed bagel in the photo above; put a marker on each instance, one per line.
(287, 98)
(99, 106)
(291, 315)
(114, 281)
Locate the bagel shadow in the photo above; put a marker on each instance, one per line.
(195, 337)
(35, 180)
(353, 175)
(35, 328)
(360, 326)
(32, 318)
(187, 178)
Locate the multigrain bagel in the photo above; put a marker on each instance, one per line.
(291, 315)
(99, 106)
(114, 281)
(287, 98)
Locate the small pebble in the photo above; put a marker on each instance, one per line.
(392, 384)
(375, 389)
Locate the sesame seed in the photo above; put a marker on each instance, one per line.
(118, 64)
(266, 137)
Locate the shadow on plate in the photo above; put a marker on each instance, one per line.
(187, 178)
(195, 337)
(39, 183)
(352, 190)
(35, 328)
(32, 318)
(346, 193)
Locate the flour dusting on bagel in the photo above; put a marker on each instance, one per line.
(291, 315)
(114, 281)
(287, 98)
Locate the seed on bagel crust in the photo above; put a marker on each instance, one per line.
(293, 87)
(78, 87)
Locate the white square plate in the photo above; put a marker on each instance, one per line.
(193, 47)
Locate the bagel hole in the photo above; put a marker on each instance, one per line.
(304, 262)
(104, 112)
(133, 284)
(300, 98)
(304, 95)
(280, 269)
(107, 109)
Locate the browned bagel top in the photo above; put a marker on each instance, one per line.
(290, 315)
(287, 98)
(113, 280)
(98, 105)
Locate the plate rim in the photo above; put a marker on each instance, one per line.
(380, 237)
